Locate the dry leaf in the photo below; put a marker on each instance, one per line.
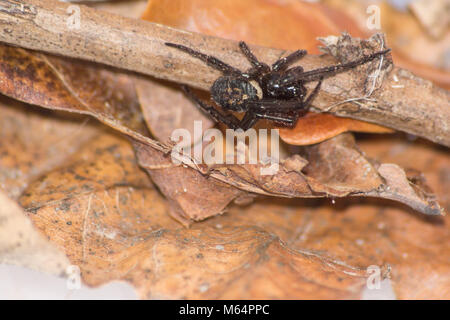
(190, 195)
(36, 140)
(70, 85)
(275, 23)
(433, 15)
(288, 249)
(314, 128)
(166, 108)
(21, 244)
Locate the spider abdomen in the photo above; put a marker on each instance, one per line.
(234, 93)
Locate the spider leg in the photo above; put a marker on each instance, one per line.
(279, 118)
(313, 94)
(251, 57)
(276, 106)
(258, 67)
(284, 62)
(286, 113)
(249, 54)
(229, 120)
(248, 120)
(316, 74)
(209, 60)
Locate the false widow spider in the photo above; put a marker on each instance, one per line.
(276, 93)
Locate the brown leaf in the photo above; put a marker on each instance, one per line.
(95, 224)
(166, 108)
(36, 140)
(248, 177)
(406, 34)
(285, 249)
(21, 244)
(408, 190)
(339, 165)
(191, 195)
(283, 24)
(70, 85)
(335, 168)
(421, 159)
(99, 207)
(101, 164)
(110, 96)
(314, 128)
(433, 16)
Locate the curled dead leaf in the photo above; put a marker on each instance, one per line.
(191, 195)
(165, 108)
(313, 128)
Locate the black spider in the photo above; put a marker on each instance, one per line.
(277, 94)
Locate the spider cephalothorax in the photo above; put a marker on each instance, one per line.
(276, 93)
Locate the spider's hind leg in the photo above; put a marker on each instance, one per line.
(279, 118)
(313, 94)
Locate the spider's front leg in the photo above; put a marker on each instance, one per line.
(282, 63)
(306, 103)
(258, 68)
(316, 74)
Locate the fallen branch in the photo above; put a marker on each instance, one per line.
(403, 102)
